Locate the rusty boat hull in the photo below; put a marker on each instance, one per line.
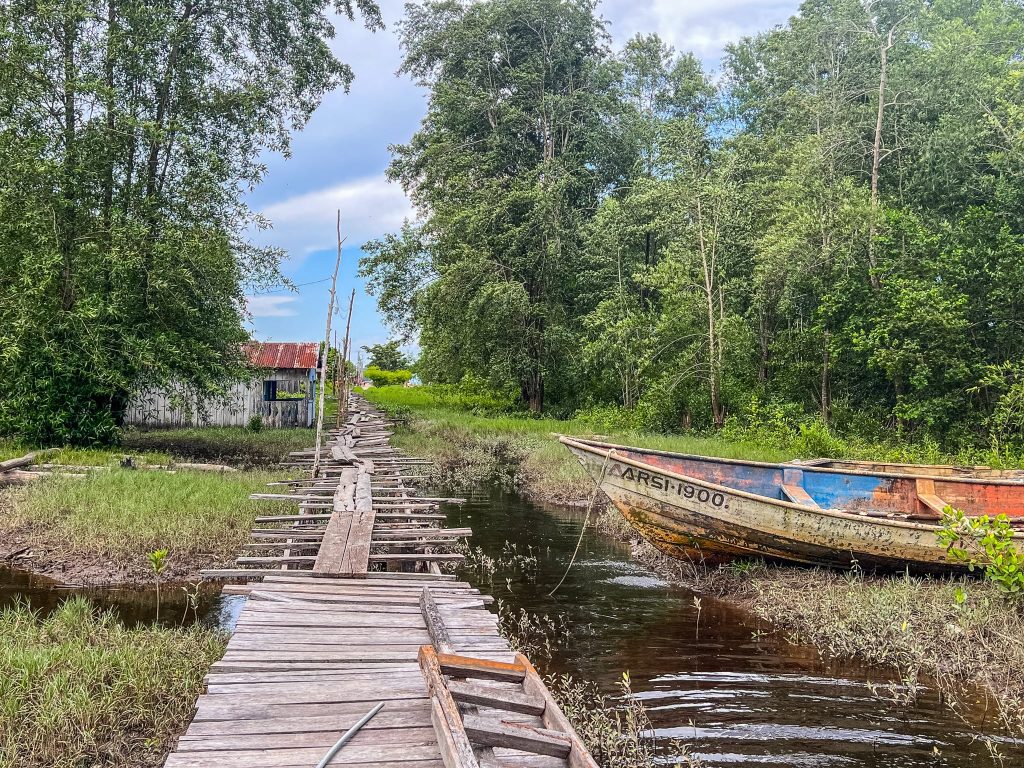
(697, 507)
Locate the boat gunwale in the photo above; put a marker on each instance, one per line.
(804, 467)
(595, 448)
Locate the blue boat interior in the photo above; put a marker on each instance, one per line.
(823, 488)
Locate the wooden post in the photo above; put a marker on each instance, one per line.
(323, 367)
(343, 402)
(334, 376)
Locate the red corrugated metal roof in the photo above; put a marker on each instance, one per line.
(286, 354)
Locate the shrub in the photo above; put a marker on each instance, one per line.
(609, 418)
(255, 423)
(985, 542)
(382, 378)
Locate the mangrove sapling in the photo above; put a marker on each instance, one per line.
(158, 562)
(987, 543)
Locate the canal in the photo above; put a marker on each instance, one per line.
(708, 673)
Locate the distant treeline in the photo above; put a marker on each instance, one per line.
(832, 224)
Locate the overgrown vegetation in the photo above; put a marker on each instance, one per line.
(102, 527)
(473, 437)
(79, 688)
(123, 220)
(959, 632)
(830, 228)
(382, 377)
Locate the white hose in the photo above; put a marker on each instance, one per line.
(326, 759)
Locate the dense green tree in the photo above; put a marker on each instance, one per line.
(128, 134)
(388, 356)
(505, 169)
(834, 225)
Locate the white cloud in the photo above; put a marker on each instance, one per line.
(370, 207)
(703, 27)
(271, 306)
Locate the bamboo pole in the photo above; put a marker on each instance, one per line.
(327, 344)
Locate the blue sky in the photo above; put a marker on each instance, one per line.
(339, 160)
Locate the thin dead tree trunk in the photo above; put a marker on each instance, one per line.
(714, 359)
(69, 216)
(878, 152)
(323, 365)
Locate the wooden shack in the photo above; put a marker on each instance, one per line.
(282, 393)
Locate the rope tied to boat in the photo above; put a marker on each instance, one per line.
(586, 520)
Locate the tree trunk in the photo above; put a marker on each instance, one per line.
(714, 352)
(110, 149)
(826, 381)
(69, 218)
(876, 153)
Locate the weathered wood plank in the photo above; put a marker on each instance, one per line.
(492, 733)
(456, 749)
(460, 666)
(496, 698)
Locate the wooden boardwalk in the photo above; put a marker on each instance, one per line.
(353, 609)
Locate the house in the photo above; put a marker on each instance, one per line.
(283, 394)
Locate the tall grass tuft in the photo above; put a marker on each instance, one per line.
(122, 515)
(79, 688)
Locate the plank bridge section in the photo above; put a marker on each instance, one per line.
(352, 610)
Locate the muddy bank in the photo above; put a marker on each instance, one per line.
(22, 549)
(100, 528)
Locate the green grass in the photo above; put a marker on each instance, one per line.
(120, 515)
(92, 457)
(227, 445)
(80, 689)
(524, 452)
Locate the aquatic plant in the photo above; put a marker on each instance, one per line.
(534, 635)
(157, 561)
(617, 731)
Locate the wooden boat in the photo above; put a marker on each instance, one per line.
(927, 470)
(723, 508)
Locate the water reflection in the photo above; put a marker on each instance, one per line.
(730, 686)
(132, 605)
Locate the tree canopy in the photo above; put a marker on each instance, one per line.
(833, 224)
(128, 134)
(388, 356)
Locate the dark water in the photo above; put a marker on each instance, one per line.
(133, 606)
(732, 688)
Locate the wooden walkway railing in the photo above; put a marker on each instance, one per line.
(353, 610)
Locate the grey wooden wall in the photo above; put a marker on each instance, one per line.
(159, 408)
